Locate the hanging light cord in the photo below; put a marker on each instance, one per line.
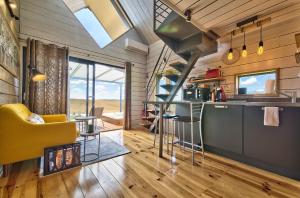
(231, 40)
(244, 38)
(260, 32)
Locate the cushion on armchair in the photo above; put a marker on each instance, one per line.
(35, 119)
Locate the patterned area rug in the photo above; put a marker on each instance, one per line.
(108, 149)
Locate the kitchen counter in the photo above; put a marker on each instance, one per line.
(266, 104)
(234, 102)
(236, 130)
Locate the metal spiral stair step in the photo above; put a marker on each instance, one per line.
(178, 66)
(150, 119)
(168, 87)
(153, 112)
(172, 77)
(162, 96)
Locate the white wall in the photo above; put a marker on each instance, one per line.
(52, 22)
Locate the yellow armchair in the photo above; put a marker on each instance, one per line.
(22, 140)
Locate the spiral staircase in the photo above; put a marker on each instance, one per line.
(182, 38)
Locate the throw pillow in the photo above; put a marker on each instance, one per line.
(36, 119)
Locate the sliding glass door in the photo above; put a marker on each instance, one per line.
(81, 91)
(97, 89)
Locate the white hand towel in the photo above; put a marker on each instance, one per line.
(271, 116)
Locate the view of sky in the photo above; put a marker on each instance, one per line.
(103, 90)
(93, 27)
(255, 84)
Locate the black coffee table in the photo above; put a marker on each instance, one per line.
(86, 133)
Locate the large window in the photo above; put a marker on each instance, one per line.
(258, 83)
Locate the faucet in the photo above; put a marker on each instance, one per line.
(293, 95)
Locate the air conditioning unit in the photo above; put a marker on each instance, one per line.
(136, 46)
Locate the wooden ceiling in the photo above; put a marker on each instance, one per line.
(222, 15)
(141, 14)
(75, 5)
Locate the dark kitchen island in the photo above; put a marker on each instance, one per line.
(236, 130)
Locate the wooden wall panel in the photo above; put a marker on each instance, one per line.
(52, 22)
(13, 24)
(141, 15)
(9, 75)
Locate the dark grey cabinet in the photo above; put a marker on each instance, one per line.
(223, 127)
(279, 146)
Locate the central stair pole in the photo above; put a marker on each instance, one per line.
(161, 127)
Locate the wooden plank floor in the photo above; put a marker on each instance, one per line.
(143, 174)
(109, 126)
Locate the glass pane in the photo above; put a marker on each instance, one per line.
(109, 97)
(104, 20)
(108, 93)
(93, 27)
(78, 88)
(112, 75)
(260, 83)
(178, 96)
(90, 91)
(159, 89)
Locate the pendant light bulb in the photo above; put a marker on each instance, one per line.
(230, 51)
(244, 52)
(244, 49)
(260, 49)
(230, 54)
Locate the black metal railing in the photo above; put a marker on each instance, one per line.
(159, 68)
(160, 12)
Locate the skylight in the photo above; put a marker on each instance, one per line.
(105, 21)
(93, 27)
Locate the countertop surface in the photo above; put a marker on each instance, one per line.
(244, 103)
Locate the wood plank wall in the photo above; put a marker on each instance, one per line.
(52, 22)
(279, 45)
(9, 83)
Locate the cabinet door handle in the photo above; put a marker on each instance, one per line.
(221, 106)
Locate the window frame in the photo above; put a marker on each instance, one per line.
(237, 77)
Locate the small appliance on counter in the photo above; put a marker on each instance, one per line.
(220, 95)
(190, 94)
(201, 94)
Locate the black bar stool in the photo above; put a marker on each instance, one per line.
(191, 120)
(166, 117)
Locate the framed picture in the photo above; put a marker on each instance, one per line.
(59, 158)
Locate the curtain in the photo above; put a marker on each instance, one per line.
(49, 96)
(127, 111)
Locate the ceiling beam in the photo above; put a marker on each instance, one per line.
(105, 81)
(103, 73)
(118, 79)
(75, 70)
